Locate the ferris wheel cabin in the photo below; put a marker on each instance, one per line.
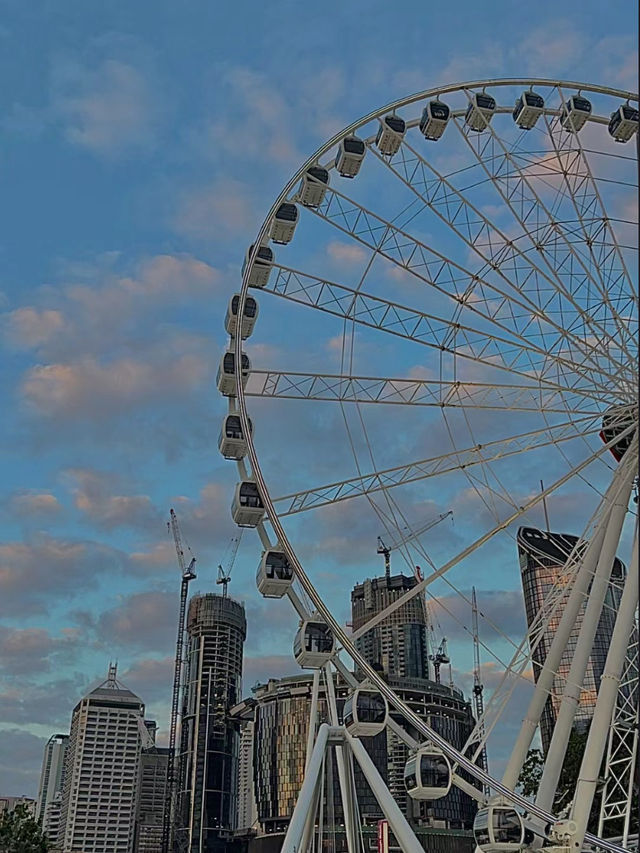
(499, 827)
(434, 120)
(480, 111)
(351, 151)
(249, 316)
(284, 223)
(575, 112)
(528, 109)
(623, 123)
(390, 134)
(365, 712)
(314, 644)
(231, 441)
(427, 774)
(313, 186)
(247, 508)
(275, 574)
(226, 378)
(615, 421)
(260, 268)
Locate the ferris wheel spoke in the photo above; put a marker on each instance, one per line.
(456, 460)
(414, 392)
(505, 311)
(499, 252)
(562, 257)
(430, 330)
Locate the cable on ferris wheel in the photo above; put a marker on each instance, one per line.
(543, 327)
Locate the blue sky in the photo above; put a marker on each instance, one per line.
(141, 146)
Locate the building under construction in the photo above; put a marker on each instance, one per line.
(209, 742)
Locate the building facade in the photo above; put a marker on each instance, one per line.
(399, 644)
(542, 556)
(152, 787)
(51, 776)
(98, 806)
(247, 809)
(209, 749)
(280, 712)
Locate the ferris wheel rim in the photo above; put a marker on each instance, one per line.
(240, 398)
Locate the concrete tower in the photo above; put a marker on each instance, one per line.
(209, 747)
(99, 796)
(51, 776)
(542, 558)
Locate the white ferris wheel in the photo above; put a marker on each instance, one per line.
(449, 307)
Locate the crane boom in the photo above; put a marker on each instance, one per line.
(386, 550)
(224, 571)
(187, 574)
(478, 688)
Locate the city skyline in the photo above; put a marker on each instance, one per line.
(128, 214)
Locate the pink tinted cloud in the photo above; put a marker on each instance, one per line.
(35, 504)
(94, 498)
(108, 109)
(29, 327)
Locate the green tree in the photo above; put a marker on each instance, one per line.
(20, 833)
(529, 779)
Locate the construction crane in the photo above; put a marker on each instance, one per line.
(440, 655)
(187, 574)
(478, 700)
(224, 574)
(386, 550)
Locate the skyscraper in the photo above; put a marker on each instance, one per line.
(51, 776)
(101, 770)
(542, 558)
(247, 810)
(209, 749)
(152, 785)
(398, 645)
(398, 648)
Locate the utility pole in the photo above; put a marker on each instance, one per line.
(187, 574)
(478, 687)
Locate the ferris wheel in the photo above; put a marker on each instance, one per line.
(448, 311)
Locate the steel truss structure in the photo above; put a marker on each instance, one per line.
(523, 313)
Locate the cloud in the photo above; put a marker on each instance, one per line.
(31, 650)
(107, 107)
(20, 762)
(223, 208)
(33, 503)
(346, 253)
(150, 678)
(92, 493)
(23, 702)
(144, 620)
(36, 573)
(261, 669)
(90, 389)
(29, 327)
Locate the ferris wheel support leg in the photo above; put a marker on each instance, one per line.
(306, 797)
(397, 821)
(547, 672)
(313, 716)
(573, 685)
(607, 695)
(344, 777)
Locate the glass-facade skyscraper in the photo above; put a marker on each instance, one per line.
(206, 811)
(542, 557)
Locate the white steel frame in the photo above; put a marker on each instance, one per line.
(513, 349)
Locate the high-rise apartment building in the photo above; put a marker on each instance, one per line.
(247, 811)
(152, 786)
(542, 558)
(399, 644)
(209, 742)
(398, 649)
(101, 773)
(51, 776)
